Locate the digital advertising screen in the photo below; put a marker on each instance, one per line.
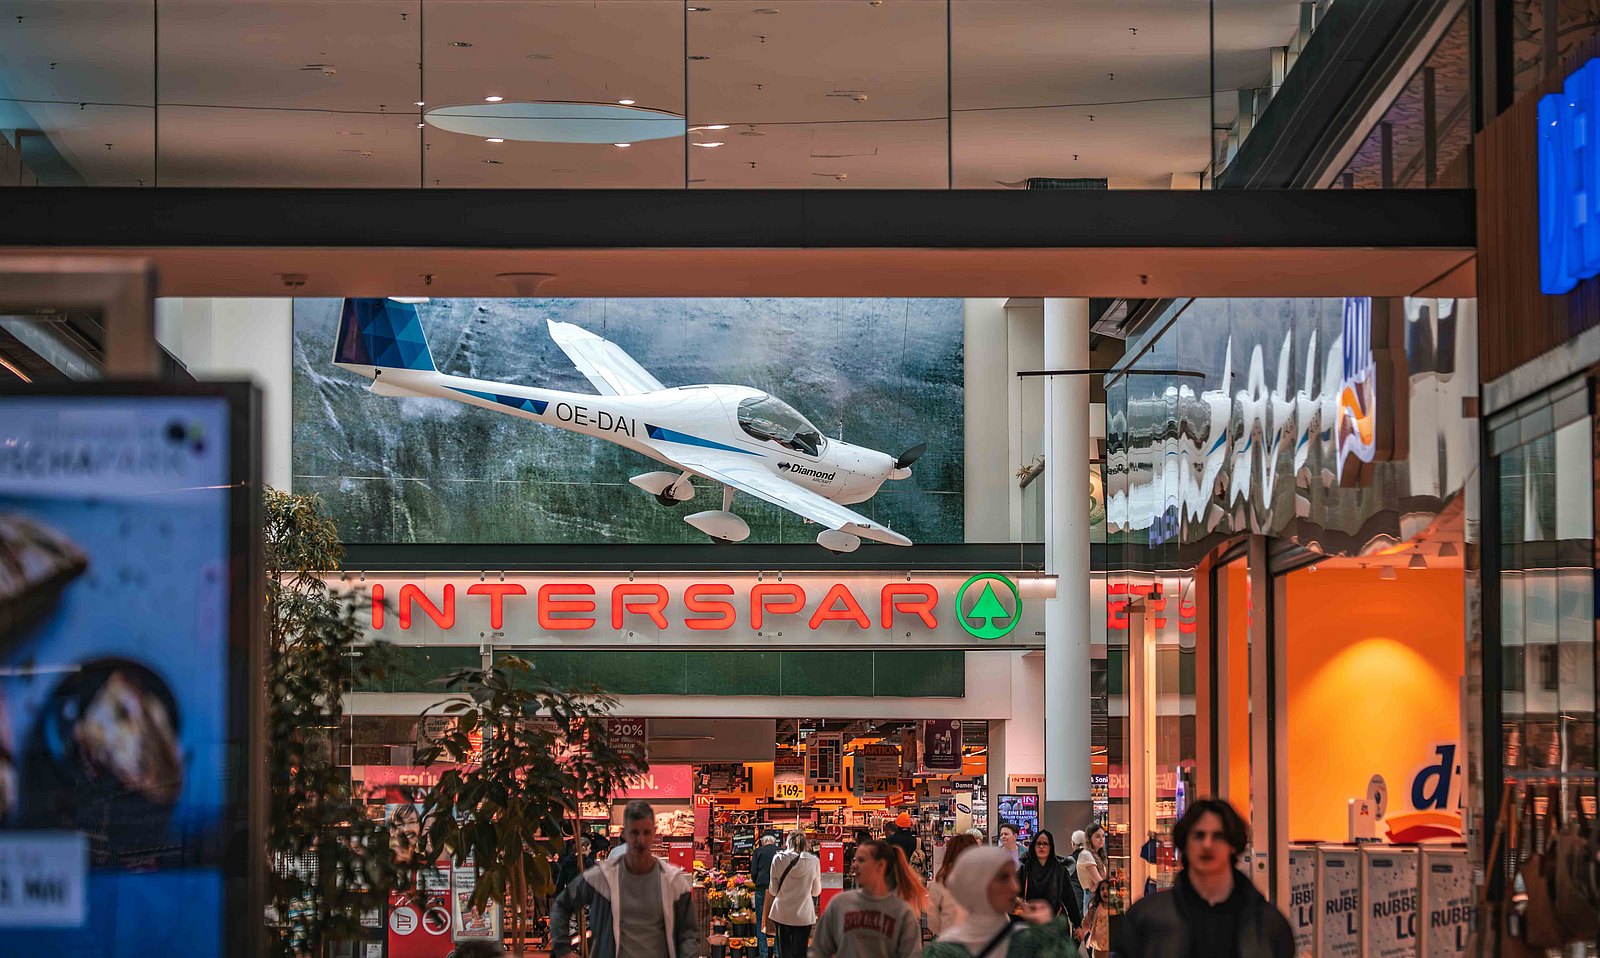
(122, 757)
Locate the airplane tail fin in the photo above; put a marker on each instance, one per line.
(382, 334)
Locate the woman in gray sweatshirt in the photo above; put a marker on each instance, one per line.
(881, 917)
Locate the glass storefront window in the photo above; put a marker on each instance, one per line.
(1548, 649)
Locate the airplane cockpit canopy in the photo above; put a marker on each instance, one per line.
(768, 417)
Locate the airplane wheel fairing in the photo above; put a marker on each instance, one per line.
(838, 542)
(720, 525)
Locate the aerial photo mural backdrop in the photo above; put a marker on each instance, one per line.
(884, 373)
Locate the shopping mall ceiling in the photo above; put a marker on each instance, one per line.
(780, 93)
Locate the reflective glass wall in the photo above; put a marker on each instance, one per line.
(926, 94)
(1549, 654)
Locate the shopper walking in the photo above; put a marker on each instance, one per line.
(572, 863)
(1212, 910)
(1008, 841)
(760, 876)
(984, 881)
(639, 906)
(791, 905)
(1092, 863)
(1043, 877)
(944, 912)
(879, 917)
(901, 835)
(1079, 838)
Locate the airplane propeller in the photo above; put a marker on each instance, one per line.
(911, 455)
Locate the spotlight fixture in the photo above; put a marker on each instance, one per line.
(622, 146)
(493, 99)
(495, 139)
(1387, 573)
(626, 102)
(1417, 562)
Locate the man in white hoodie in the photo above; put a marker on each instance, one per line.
(639, 906)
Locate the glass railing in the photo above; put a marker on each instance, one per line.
(832, 94)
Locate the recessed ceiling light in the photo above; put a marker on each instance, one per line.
(626, 102)
(713, 126)
(493, 99)
(421, 103)
(707, 146)
(623, 146)
(460, 43)
(495, 139)
(421, 126)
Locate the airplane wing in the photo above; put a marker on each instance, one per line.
(736, 471)
(611, 370)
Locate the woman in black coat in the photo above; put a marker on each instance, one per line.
(1043, 877)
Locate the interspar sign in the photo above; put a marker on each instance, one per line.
(723, 610)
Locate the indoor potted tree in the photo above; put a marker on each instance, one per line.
(330, 862)
(541, 750)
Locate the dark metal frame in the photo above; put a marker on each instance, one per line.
(739, 219)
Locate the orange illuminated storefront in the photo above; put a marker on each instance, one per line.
(1286, 485)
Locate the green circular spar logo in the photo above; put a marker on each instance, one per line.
(982, 618)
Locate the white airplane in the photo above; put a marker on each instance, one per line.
(743, 438)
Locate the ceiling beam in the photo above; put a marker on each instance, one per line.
(739, 219)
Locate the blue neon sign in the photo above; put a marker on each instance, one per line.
(1569, 182)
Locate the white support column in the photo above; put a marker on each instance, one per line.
(1066, 543)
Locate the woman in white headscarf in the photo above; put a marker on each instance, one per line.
(984, 882)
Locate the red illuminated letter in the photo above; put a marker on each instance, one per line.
(850, 613)
(497, 592)
(1116, 609)
(377, 608)
(759, 606)
(444, 618)
(724, 611)
(897, 598)
(652, 608)
(548, 604)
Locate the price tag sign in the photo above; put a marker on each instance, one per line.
(43, 880)
(790, 791)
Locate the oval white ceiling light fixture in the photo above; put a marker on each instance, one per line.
(557, 122)
(493, 99)
(709, 126)
(495, 139)
(707, 146)
(622, 146)
(626, 102)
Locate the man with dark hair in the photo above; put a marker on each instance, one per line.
(639, 906)
(1212, 911)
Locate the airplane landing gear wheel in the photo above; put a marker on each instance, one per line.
(665, 498)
